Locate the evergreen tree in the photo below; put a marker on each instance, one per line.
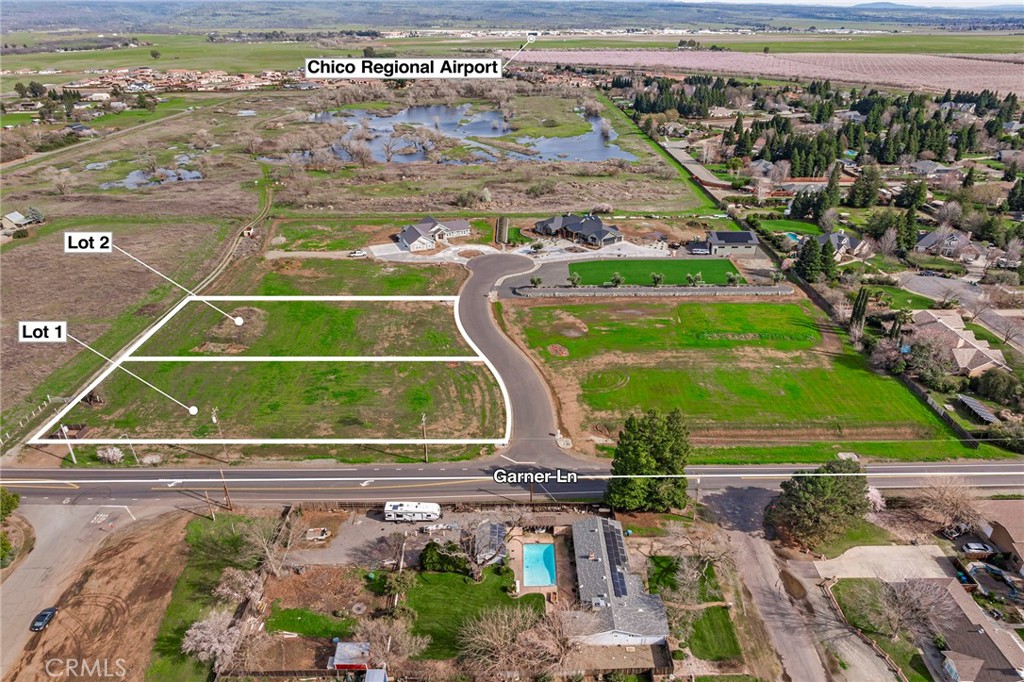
(1010, 173)
(864, 192)
(969, 178)
(815, 509)
(860, 309)
(649, 445)
(828, 260)
(908, 230)
(913, 195)
(1015, 202)
(808, 262)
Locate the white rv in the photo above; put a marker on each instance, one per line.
(411, 511)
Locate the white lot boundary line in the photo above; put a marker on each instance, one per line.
(40, 439)
(127, 356)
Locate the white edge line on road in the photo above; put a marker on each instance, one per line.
(480, 477)
(271, 441)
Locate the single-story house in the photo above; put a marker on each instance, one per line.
(843, 244)
(928, 169)
(976, 648)
(350, 656)
(951, 244)
(761, 167)
(429, 232)
(584, 229)
(971, 355)
(620, 613)
(79, 129)
(1003, 527)
(16, 221)
(741, 243)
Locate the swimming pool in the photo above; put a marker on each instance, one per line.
(538, 565)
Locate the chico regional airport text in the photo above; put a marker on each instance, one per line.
(324, 67)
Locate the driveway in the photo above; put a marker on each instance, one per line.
(888, 563)
(740, 511)
(939, 288)
(66, 535)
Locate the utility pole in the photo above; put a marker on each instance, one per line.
(531, 492)
(423, 424)
(64, 432)
(220, 432)
(132, 447)
(227, 495)
(209, 505)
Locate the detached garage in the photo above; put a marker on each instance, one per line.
(743, 243)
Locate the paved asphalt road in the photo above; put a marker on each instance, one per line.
(533, 447)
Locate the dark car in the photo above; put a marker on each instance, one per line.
(43, 619)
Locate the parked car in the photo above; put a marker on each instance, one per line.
(358, 253)
(700, 252)
(42, 621)
(978, 548)
(955, 531)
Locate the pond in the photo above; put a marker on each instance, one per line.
(462, 123)
(141, 178)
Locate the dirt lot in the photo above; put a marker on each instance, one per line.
(105, 286)
(113, 610)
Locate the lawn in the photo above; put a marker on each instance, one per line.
(901, 298)
(635, 272)
(864, 615)
(310, 328)
(298, 400)
(861, 533)
(308, 623)
(794, 226)
(753, 375)
(713, 637)
(443, 601)
(214, 546)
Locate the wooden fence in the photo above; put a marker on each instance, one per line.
(826, 587)
(965, 436)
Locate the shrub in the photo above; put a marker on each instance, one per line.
(601, 208)
(447, 558)
(110, 455)
(152, 460)
(20, 234)
(472, 197)
(541, 188)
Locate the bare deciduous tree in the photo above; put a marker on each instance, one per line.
(60, 178)
(914, 607)
(202, 139)
(237, 585)
(952, 499)
(269, 545)
(212, 640)
(887, 242)
(1009, 330)
(1014, 246)
(251, 142)
(391, 640)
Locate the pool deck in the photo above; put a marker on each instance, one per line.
(564, 589)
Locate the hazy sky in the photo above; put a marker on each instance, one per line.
(848, 3)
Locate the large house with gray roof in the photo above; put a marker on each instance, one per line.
(624, 613)
(429, 232)
(583, 229)
(738, 243)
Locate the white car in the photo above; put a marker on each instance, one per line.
(978, 548)
(359, 253)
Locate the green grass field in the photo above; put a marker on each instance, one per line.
(213, 545)
(444, 601)
(299, 400)
(865, 615)
(310, 328)
(308, 623)
(635, 272)
(754, 376)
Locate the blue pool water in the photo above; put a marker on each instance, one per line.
(538, 565)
